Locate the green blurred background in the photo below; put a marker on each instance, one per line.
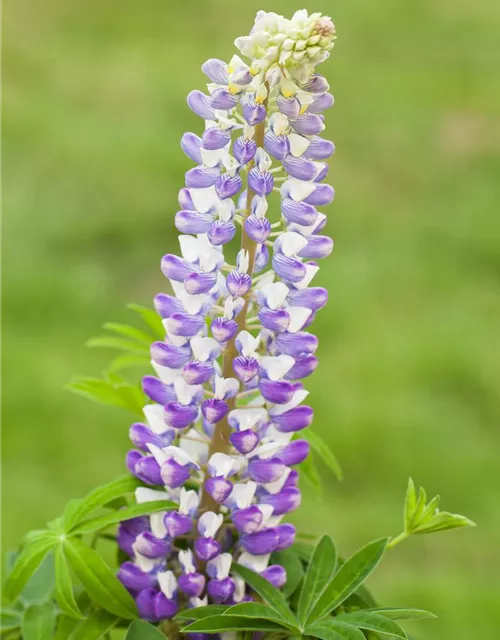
(94, 108)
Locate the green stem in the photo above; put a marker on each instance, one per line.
(394, 541)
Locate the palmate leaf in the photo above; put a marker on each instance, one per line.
(142, 630)
(77, 510)
(257, 610)
(319, 573)
(217, 624)
(290, 561)
(98, 580)
(333, 629)
(64, 588)
(38, 622)
(132, 511)
(422, 517)
(373, 622)
(26, 564)
(266, 591)
(349, 577)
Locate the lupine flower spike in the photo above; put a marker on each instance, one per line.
(221, 436)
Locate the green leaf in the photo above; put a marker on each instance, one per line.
(349, 577)
(265, 590)
(117, 343)
(125, 396)
(65, 627)
(323, 450)
(38, 622)
(94, 627)
(303, 550)
(198, 613)
(230, 623)
(77, 510)
(259, 611)
(293, 567)
(333, 629)
(39, 588)
(130, 332)
(310, 473)
(26, 564)
(151, 318)
(64, 589)
(362, 597)
(319, 573)
(127, 361)
(133, 511)
(410, 504)
(431, 509)
(98, 580)
(9, 619)
(443, 521)
(419, 508)
(374, 622)
(396, 613)
(142, 630)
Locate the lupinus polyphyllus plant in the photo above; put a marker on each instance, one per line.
(205, 547)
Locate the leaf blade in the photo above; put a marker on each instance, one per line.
(95, 626)
(293, 567)
(98, 580)
(374, 622)
(259, 611)
(323, 450)
(38, 622)
(64, 589)
(270, 594)
(129, 331)
(39, 587)
(25, 565)
(334, 630)
(397, 613)
(100, 496)
(349, 577)
(142, 630)
(132, 511)
(150, 317)
(319, 573)
(216, 624)
(198, 613)
(122, 344)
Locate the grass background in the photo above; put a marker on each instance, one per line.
(94, 107)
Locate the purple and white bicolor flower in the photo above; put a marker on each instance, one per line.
(221, 432)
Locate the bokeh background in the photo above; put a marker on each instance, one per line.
(94, 107)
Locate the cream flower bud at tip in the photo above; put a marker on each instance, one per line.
(302, 41)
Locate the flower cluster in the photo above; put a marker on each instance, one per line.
(221, 435)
